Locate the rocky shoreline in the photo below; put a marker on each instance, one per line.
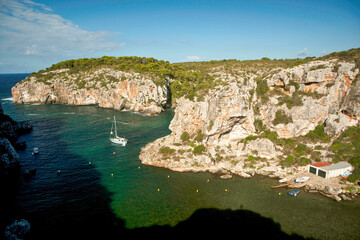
(267, 121)
(105, 87)
(9, 133)
(272, 126)
(335, 188)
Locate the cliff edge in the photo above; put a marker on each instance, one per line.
(101, 82)
(271, 120)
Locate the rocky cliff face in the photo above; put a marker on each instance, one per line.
(238, 127)
(105, 87)
(9, 132)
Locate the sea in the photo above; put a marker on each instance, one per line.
(83, 179)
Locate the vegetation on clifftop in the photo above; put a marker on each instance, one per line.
(181, 81)
(190, 79)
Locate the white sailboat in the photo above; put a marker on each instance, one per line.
(114, 137)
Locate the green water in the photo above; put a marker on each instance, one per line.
(71, 137)
(145, 195)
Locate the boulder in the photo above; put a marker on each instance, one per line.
(9, 159)
(344, 197)
(17, 230)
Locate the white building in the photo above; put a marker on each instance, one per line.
(329, 171)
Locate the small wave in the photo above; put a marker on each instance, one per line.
(35, 104)
(33, 114)
(67, 113)
(7, 99)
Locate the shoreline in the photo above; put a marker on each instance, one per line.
(336, 188)
(331, 190)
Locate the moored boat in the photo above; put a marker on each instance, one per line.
(294, 193)
(114, 136)
(283, 180)
(35, 151)
(302, 179)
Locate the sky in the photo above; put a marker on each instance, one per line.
(36, 34)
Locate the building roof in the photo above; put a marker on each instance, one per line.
(320, 164)
(336, 166)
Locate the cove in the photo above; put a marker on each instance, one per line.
(119, 186)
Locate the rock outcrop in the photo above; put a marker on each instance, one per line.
(237, 125)
(105, 87)
(9, 132)
(17, 230)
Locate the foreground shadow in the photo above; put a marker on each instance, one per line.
(202, 223)
(77, 206)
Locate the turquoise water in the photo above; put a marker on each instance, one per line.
(95, 183)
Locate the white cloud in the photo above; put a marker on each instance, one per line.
(193, 58)
(32, 29)
(303, 53)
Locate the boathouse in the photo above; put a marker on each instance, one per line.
(326, 170)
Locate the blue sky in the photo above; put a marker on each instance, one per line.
(36, 34)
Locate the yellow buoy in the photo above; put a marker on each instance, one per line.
(226, 190)
(168, 176)
(158, 189)
(208, 180)
(112, 174)
(139, 167)
(279, 193)
(197, 190)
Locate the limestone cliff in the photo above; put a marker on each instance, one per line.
(241, 126)
(105, 87)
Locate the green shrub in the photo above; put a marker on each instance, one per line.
(199, 137)
(281, 117)
(318, 134)
(291, 101)
(295, 84)
(300, 150)
(185, 136)
(321, 66)
(251, 159)
(211, 124)
(261, 89)
(272, 136)
(199, 149)
(248, 139)
(304, 161)
(347, 148)
(166, 150)
(288, 161)
(259, 125)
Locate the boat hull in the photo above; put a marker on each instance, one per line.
(120, 141)
(294, 193)
(302, 179)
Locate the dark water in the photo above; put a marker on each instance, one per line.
(99, 187)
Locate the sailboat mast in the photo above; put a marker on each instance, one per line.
(115, 127)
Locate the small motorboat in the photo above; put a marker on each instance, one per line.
(346, 174)
(35, 151)
(283, 180)
(294, 193)
(302, 179)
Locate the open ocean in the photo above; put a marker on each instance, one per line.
(98, 188)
